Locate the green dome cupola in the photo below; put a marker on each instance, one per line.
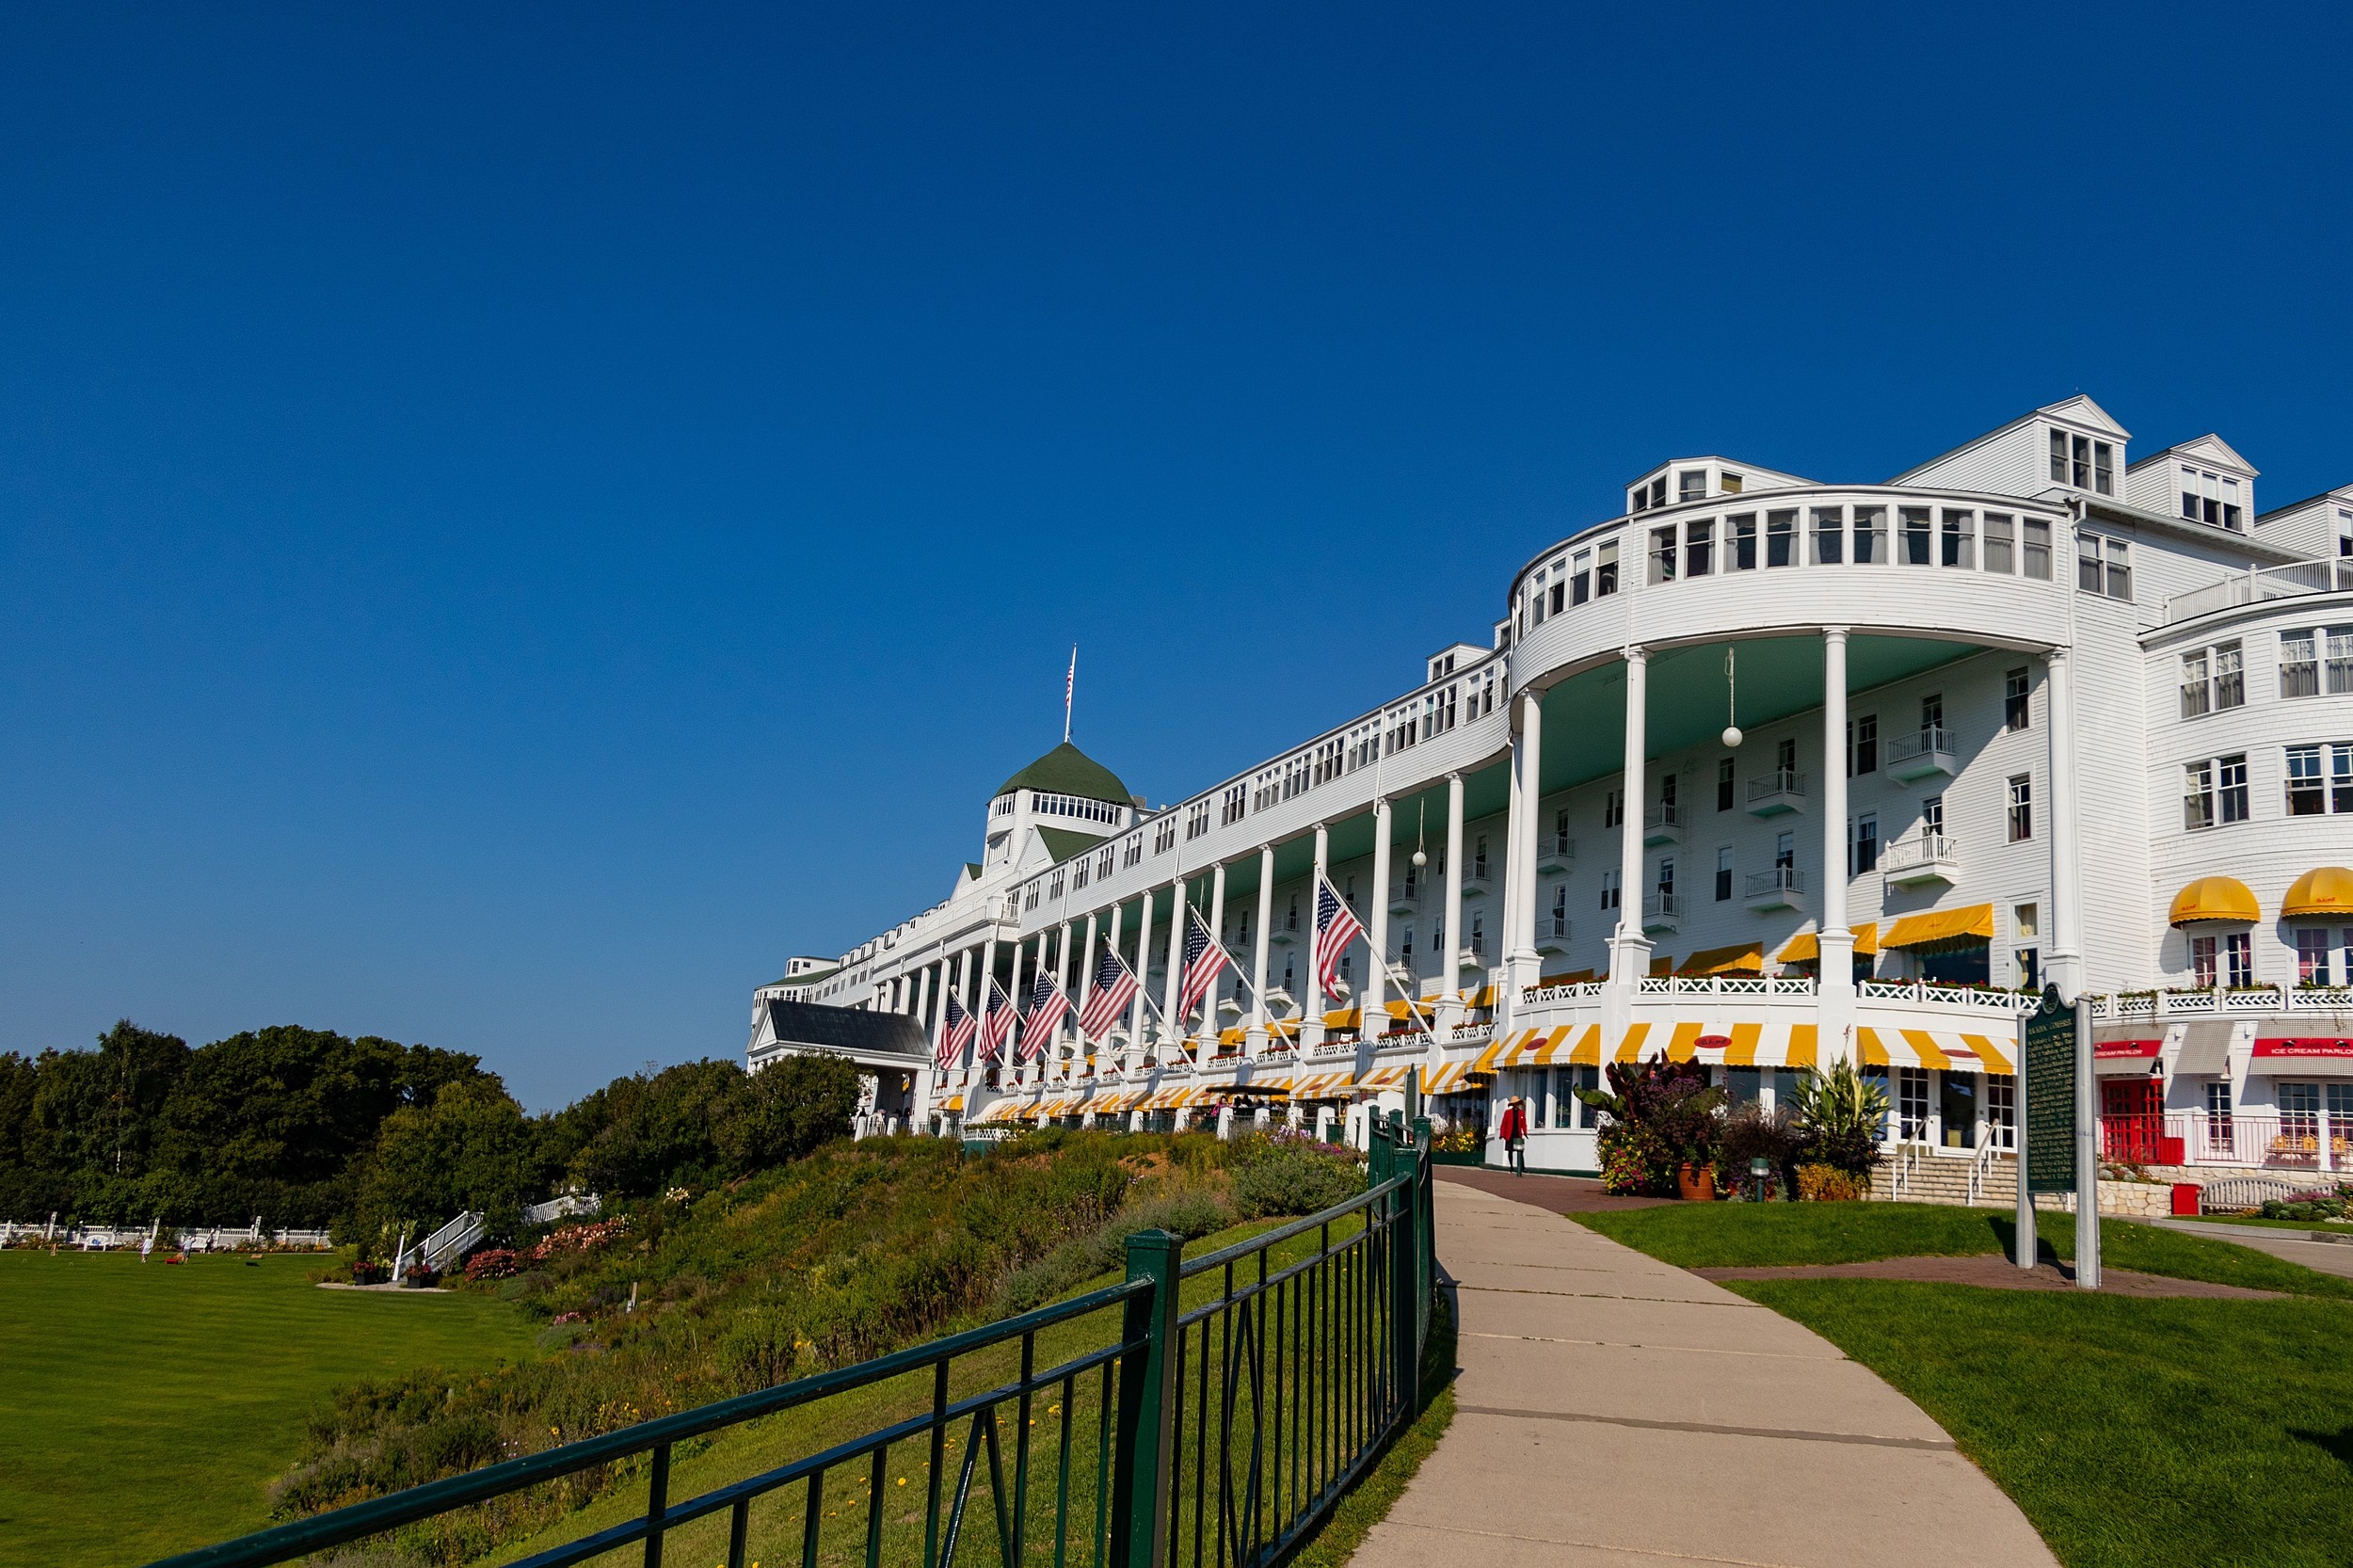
(1068, 771)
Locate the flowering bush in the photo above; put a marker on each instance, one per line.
(1829, 1184)
(1658, 1115)
(587, 1237)
(493, 1263)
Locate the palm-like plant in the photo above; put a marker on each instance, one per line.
(1841, 1113)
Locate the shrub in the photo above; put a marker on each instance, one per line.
(1658, 1116)
(1829, 1184)
(2309, 1208)
(1840, 1114)
(493, 1263)
(1751, 1132)
(1293, 1178)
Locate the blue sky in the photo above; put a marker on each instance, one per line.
(514, 520)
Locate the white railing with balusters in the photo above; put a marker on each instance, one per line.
(2243, 1002)
(1925, 849)
(2259, 584)
(1981, 1163)
(1948, 996)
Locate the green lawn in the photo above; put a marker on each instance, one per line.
(147, 1406)
(1737, 1236)
(2133, 1432)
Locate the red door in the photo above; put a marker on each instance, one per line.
(2131, 1119)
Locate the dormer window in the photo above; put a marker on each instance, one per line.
(2084, 463)
(1730, 483)
(1691, 484)
(1644, 497)
(2212, 499)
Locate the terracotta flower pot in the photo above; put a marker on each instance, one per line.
(1696, 1183)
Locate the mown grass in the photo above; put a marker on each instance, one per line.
(145, 1407)
(2133, 1432)
(1742, 1236)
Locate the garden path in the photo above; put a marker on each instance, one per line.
(1613, 1410)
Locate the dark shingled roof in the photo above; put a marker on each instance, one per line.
(1062, 844)
(811, 1023)
(1068, 771)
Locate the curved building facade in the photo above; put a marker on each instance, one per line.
(1762, 773)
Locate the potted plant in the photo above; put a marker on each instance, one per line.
(1839, 1115)
(1658, 1134)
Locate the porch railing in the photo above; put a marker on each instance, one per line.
(2316, 1141)
(1208, 1412)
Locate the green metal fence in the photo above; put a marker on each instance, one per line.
(1203, 1413)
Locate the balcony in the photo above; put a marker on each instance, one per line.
(1926, 754)
(1778, 888)
(1662, 825)
(1662, 911)
(1556, 854)
(1916, 862)
(1404, 898)
(1283, 935)
(1480, 882)
(1552, 936)
(2261, 586)
(1777, 793)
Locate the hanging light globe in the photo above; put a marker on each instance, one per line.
(1420, 859)
(1732, 735)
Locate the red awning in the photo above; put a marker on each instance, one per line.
(2306, 1045)
(2106, 1049)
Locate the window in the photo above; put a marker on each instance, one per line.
(2197, 795)
(2299, 664)
(2021, 808)
(1666, 881)
(2087, 563)
(1079, 873)
(1862, 744)
(2014, 690)
(1699, 547)
(1729, 484)
(1932, 718)
(1740, 542)
(1560, 912)
(1781, 539)
(1235, 803)
(1164, 835)
(1691, 484)
(1667, 798)
(1196, 820)
(1724, 874)
(2197, 694)
(2219, 1110)
(2306, 795)
(1560, 831)
(1829, 536)
(1724, 767)
(2120, 570)
(1864, 857)
(2212, 499)
(2229, 677)
(1290, 919)
(2202, 963)
(1932, 816)
(2311, 957)
(1103, 866)
(1606, 570)
(1613, 809)
(1581, 584)
(1911, 1104)
(2341, 779)
(1610, 889)
(1133, 855)
(1784, 850)
(1478, 858)
(2238, 959)
(1913, 543)
(2001, 1110)
(1959, 540)
(1662, 554)
(2029, 963)
(1479, 935)
(2340, 660)
(2232, 792)
(2034, 557)
(2084, 463)
(1998, 543)
(1871, 536)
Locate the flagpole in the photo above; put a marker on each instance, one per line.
(1069, 689)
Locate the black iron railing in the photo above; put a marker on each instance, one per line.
(1201, 1414)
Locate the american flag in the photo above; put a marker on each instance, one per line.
(1046, 1007)
(959, 1033)
(1336, 927)
(1115, 991)
(996, 1026)
(1205, 957)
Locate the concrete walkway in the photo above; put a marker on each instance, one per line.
(2297, 1246)
(1614, 1411)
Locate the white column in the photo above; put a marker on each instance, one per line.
(1629, 950)
(1143, 979)
(1527, 750)
(1175, 1038)
(923, 995)
(1012, 1057)
(1311, 1012)
(1449, 961)
(1258, 961)
(2067, 935)
(1832, 937)
(1213, 1024)
(1377, 932)
(978, 973)
(1061, 979)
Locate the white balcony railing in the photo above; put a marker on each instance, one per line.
(1661, 910)
(1947, 995)
(1776, 888)
(1662, 825)
(1783, 790)
(1918, 756)
(1929, 858)
(2249, 1002)
(2257, 585)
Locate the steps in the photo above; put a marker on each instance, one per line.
(1933, 1177)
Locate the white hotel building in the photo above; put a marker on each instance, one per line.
(2036, 710)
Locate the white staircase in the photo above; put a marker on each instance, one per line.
(1988, 1179)
(448, 1244)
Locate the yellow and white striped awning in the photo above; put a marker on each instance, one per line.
(1321, 1086)
(997, 1111)
(1384, 1078)
(1450, 1077)
(953, 1104)
(1951, 1049)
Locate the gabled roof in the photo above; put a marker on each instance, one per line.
(1062, 844)
(1068, 771)
(2207, 448)
(2341, 494)
(810, 977)
(2078, 409)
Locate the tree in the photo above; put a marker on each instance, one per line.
(469, 1150)
(788, 1109)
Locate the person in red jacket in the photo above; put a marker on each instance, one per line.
(1515, 1133)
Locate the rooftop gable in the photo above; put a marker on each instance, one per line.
(2208, 448)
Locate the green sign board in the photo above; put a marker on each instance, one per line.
(2050, 1079)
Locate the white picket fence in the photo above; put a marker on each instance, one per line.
(185, 1238)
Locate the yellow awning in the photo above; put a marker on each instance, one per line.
(2328, 890)
(1586, 1051)
(1952, 1051)
(953, 1104)
(1807, 947)
(1384, 1078)
(1232, 1036)
(1397, 1009)
(1483, 996)
(1320, 1085)
(1662, 965)
(1284, 1029)
(1974, 921)
(1683, 1043)
(1739, 958)
(1344, 1017)
(1630, 1046)
(1486, 1063)
(2214, 898)
(1446, 1079)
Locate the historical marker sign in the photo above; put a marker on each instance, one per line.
(2050, 1072)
